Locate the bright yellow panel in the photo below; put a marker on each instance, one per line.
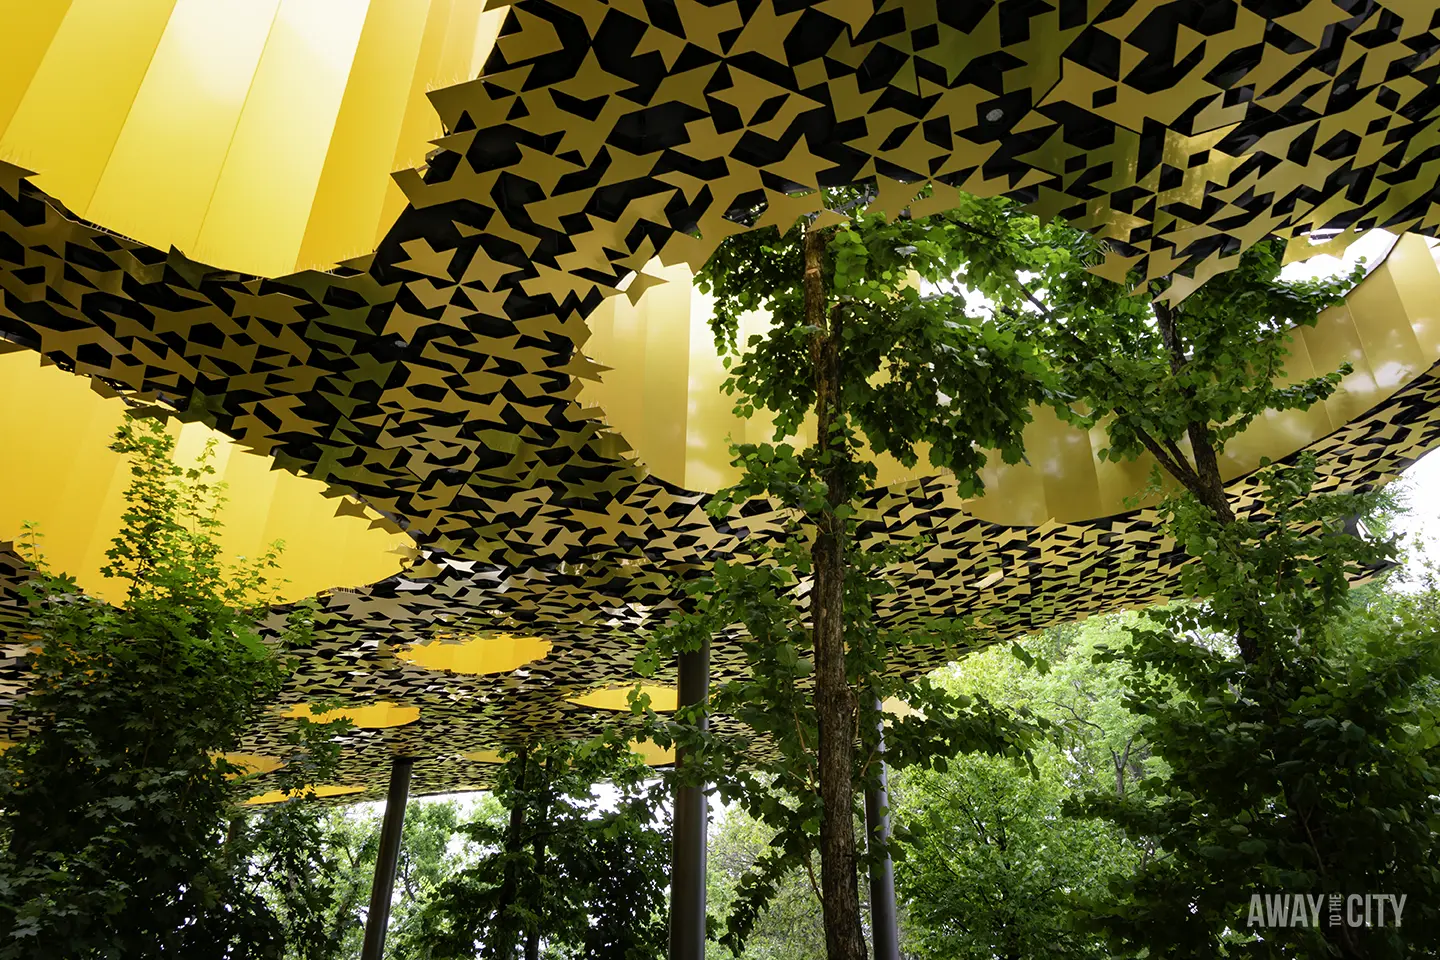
(644, 749)
(253, 763)
(80, 95)
(895, 707)
(484, 756)
(442, 63)
(182, 122)
(255, 135)
(652, 753)
(374, 716)
(323, 790)
(499, 653)
(60, 473)
(29, 29)
(662, 699)
(262, 200)
(351, 192)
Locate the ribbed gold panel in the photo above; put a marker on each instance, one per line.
(661, 392)
(60, 474)
(257, 135)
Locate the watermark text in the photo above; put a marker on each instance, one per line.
(1326, 910)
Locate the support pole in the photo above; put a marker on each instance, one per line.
(884, 927)
(689, 828)
(388, 859)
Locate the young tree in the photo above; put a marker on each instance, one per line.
(563, 873)
(1302, 758)
(882, 366)
(113, 810)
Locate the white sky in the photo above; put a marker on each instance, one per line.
(1372, 247)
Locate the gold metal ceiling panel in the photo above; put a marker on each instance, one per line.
(162, 118)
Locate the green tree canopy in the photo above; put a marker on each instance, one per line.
(1300, 756)
(560, 875)
(991, 863)
(113, 809)
(883, 365)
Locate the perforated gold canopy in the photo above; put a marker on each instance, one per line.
(444, 381)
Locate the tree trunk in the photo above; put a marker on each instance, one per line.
(501, 942)
(1210, 491)
(541, 825)
(834, 700)
(1205, 483)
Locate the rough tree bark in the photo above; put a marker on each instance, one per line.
(1206, 483)
(835, 703)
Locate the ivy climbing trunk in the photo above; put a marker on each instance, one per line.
(835, 704)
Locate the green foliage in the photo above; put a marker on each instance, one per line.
(313, 864)
(765, 763)
(916, 369)
(286, 857)
(114, 808)
(1118, 351)
(1294, 735)
(285, 852)
(429, 857)
(887, 363)
(992, 864)
(584, 881)
(1311, 770)
(790, 927)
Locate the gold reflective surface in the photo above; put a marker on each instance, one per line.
(255, 134)
(479, 655)
(652, 753)
(484, 756)
(60, 474)
(372, 716)
(662, 699)
(443, 380)
(323, 790)
(253, 763)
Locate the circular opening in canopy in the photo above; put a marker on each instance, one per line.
(373, 716)
(323, 790)
(662, 699)
(477, 654)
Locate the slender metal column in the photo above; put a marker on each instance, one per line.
(689, 828)
(884, 927)
(388, 859)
